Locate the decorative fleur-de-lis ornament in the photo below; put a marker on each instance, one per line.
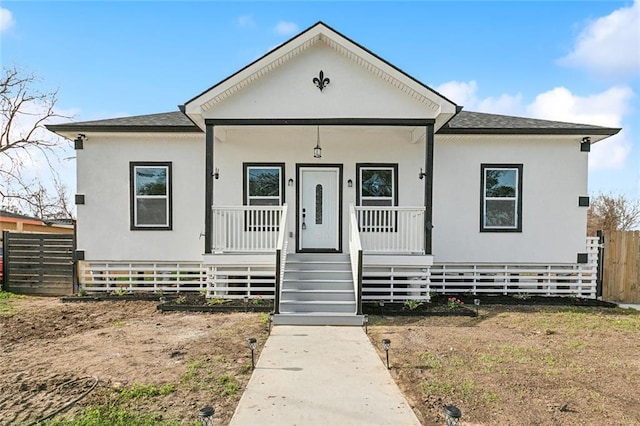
(321, 81)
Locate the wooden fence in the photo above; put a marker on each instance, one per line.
(621, 276)
(39, 264)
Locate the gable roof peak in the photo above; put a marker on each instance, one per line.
(197, 107)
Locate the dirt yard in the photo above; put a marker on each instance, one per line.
(169, 365)
(519, 365)
(510, 366)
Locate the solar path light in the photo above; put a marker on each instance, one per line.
(386, 344)
(452, 415)
(206, 416)
(252, 342)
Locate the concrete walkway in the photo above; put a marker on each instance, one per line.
(629, 306)
(321, 376)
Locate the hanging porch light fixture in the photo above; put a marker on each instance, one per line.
(317, 151)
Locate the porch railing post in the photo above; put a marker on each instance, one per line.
(428, 188)
(276, 295)
(208, 190)
(359, 293)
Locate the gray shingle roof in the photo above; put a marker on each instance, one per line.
(163, 122)
(465, 122)
(468, 122)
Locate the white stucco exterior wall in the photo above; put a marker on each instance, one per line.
(104, 220)
(554, 176)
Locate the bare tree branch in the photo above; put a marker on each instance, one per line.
(24, 111)
(610, 212)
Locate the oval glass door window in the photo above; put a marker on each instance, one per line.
(318, 204)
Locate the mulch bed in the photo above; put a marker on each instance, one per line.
(528, 300)
(438, 305)
(113, 297)
(189, 302)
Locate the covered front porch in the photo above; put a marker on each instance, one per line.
(316, 284)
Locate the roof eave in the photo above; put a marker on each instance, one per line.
(529, 131)
(57, 128)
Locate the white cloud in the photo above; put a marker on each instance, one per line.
(609, 46)
(460, 92)
(602, 109)
(466, 94)
(6, 19)
(245, 21)
(286, 28)
(606, 108)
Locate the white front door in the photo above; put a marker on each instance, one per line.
(319, 212)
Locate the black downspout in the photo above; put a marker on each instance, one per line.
(428, 189)
(208, 190)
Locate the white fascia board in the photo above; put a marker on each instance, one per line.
(446, 106)
(517, 137)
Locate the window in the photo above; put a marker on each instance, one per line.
(150, 195)
(501, 195)
(263, 186)
(319, 204)
(377, 186)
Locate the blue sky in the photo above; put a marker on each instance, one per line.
(570, 61)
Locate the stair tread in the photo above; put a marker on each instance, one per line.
(307, 314)
(319, 290)
(319, 270)
(318, 279)
(321, 302)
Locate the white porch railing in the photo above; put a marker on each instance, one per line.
(355, 254)
(246, 228)
(393, 230)
(401, 282)
(281, 258)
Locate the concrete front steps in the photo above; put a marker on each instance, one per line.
(317, 290)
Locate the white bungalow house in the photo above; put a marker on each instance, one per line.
(322, 176)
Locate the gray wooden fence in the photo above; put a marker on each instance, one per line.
(39, 264)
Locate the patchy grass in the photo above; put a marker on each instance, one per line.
(6, 305)
(552, 365)
(112, 416)
(139, 390)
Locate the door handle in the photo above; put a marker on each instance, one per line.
(304, 214)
